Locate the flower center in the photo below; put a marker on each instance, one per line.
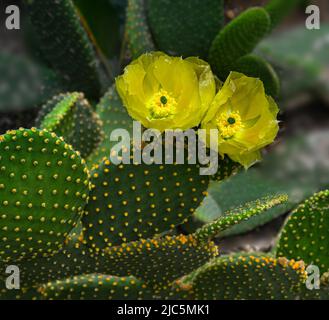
(231, 120)
(229, 125)
(162, 105)
(164, 100)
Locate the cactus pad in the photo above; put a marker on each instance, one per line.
(94, 287)
(248, 277)
(185, 28)
(237, 39)
(137, 29)
(44, 188)
(66, 45)
(131, 202)
(71, 116)
(245, 212)
(306, 233)
(114, 116)
(321, 293)
(257, 67)
(160, 261)
(226, 168)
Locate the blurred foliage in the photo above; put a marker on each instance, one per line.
(300, 57)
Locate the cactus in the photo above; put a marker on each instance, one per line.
(155, 24)
(305, 233)
(130, 202)
(274, 176)
(202, 20)
(44, 189)
(71, 116)
(238, 39)
(235, 217)
(94, 287)
(66, 45)
(321, 293)
(80, 225)
(247, 277)
(257, 67)
(304, 236)
(156, 261)
(137, 30)
(113, 116)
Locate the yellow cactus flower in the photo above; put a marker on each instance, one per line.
(164, 92)
(245, 119)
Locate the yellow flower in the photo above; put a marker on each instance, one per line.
(164, 92)
(245, 119)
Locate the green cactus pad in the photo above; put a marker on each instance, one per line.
(130, 202)
(226, 168)
(185, 28)
(114, 116)
(257, 67)
(137, 29)
(72, 260)
(306, 232)
(94, 287)
(71, 116)
(66, 45)
(22, 294)
(44, 188)
(237, 39)
(242, 213)
(248, 277)
(321, 293)
(160, 261)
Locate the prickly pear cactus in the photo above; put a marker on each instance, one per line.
(81, 222)
(66, 45)
(237, 39)
(44, 189)
(247, 277)
(72, 117)
(305, 233)
(202, 20)
(148, 200)
(156, 24)
(94, 287)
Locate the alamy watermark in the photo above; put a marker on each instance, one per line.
(313, 21)
(313, 277)
(13, 278)
(173, 146)
(13, 19)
